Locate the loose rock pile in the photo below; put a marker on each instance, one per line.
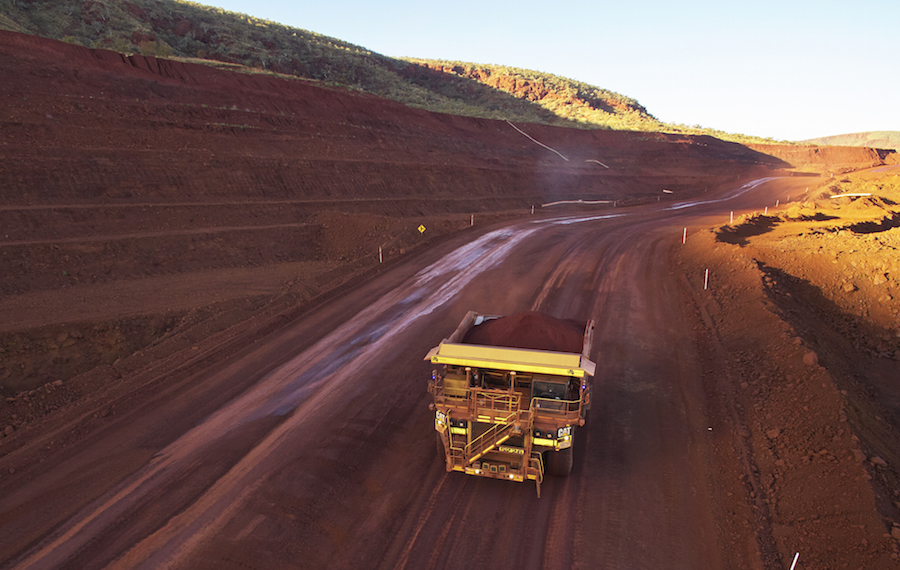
(530, 330)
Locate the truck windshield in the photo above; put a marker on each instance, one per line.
(550, 390)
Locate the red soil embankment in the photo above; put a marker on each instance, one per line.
(837, 159)
(126, 167)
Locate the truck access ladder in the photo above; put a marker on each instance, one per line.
(535, 470)
(463, 457)
(497, 434)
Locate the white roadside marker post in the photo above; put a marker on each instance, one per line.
(684, 237)
(706, 280)
(794, 564)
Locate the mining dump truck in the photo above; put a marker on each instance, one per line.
(509, 394)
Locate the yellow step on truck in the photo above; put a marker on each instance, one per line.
(509, 394)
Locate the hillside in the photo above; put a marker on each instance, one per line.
(579, 102)
(175, 28)
(172, 28)
(871, 139)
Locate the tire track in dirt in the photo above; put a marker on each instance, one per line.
(299, 386)
(756, 495)
(426, 511)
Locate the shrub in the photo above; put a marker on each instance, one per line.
(155, 48)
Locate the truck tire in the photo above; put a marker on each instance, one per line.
(558, 463)
(441, 453)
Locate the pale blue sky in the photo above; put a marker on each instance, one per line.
(789, 69)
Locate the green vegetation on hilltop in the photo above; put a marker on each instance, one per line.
(178, 28)
(189, 29)
(574, 101)
(871, 139)
(166, 28)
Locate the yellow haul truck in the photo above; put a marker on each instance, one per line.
(508, 412)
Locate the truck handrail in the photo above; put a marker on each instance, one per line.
(498, 405)
(491, 403)
(568, 409)
(479, 399)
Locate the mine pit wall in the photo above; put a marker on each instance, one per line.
(114, 129)
(109, 160)
(118, 169)
(834, 159)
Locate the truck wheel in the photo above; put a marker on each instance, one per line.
(558, 463)
(442, 454)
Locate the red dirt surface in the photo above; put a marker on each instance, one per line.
(163, 220)
(805, 300)
(530, 330)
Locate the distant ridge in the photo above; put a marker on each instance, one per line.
(871, 139)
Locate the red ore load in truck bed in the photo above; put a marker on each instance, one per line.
(529, 330)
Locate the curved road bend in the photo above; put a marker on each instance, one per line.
(315, 448)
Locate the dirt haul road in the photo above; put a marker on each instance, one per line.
(315, 448)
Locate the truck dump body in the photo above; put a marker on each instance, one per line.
(509, 389)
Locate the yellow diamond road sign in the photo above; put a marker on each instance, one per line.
(421, 229)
